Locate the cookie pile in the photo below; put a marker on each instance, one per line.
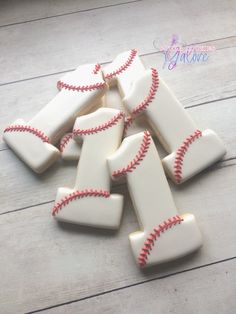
(106, 118)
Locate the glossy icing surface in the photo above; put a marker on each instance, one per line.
(79, 90)
(137, 159)
(101, 134)
(120, 75)
(125, 68)
(151, 98)
(112, 99)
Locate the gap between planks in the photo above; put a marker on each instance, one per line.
(209, 102)
(134, 285)
(222, 261)
(186, 107)
(109, 61)
(44, 231)
(44, 54)
(217, 97)
(69, 13)
(42, 188)
(218, 165)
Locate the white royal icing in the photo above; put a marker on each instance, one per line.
(150, 96)
(125, 68)
(33, 141)
(112, 99)
(70, 149)
(90, 202)
(164, 234)
(120, 75)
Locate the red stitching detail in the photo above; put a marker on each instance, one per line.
(156, 233)
(152, 92)
(82, 88)
(181, 151)
(128, 121)
(122, 68)
(138, 158)
(68, 137)
(101, 127)
(28, 128)
(64, 141)
(76, 195)
(97, 68)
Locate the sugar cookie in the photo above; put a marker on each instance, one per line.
(191, 150)
(112, 99)
(70, 149)
(125, 68)
(165, 234)
(33, 141)
(90, 202)
(121, 73)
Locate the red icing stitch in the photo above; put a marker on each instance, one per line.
(82, 88)
(138, 158)
(152, 92)
(122, 68)
(156, 233)
(76, 195)
(128, 122)
(97, 68)
(178, 164)
(101, 127)
(29, 129)
(65, 140)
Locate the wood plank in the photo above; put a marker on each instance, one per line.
(31, 189)
(205, 290)
(13, 12)
(201, 82)
(38, 52)
(192, 84)
(43, 263)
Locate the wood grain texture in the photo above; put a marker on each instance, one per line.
(186, 81)
(13, 12)
(31, 189)
(44, 263)
(40, 47)
(183, 293)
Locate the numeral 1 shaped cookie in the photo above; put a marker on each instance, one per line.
(119, 75)
(34, 141)
(190, 149)
(125, 68)
(90, 202)
(69, 148)
(165, 234)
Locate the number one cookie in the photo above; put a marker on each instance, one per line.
(164, 235)
(90, 202)
(34, 141)
(191, 150)
(122, 72)
(125, 68)
(119, 75)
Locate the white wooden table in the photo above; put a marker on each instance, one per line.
(51, 268)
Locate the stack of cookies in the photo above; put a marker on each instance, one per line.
(106, 118)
